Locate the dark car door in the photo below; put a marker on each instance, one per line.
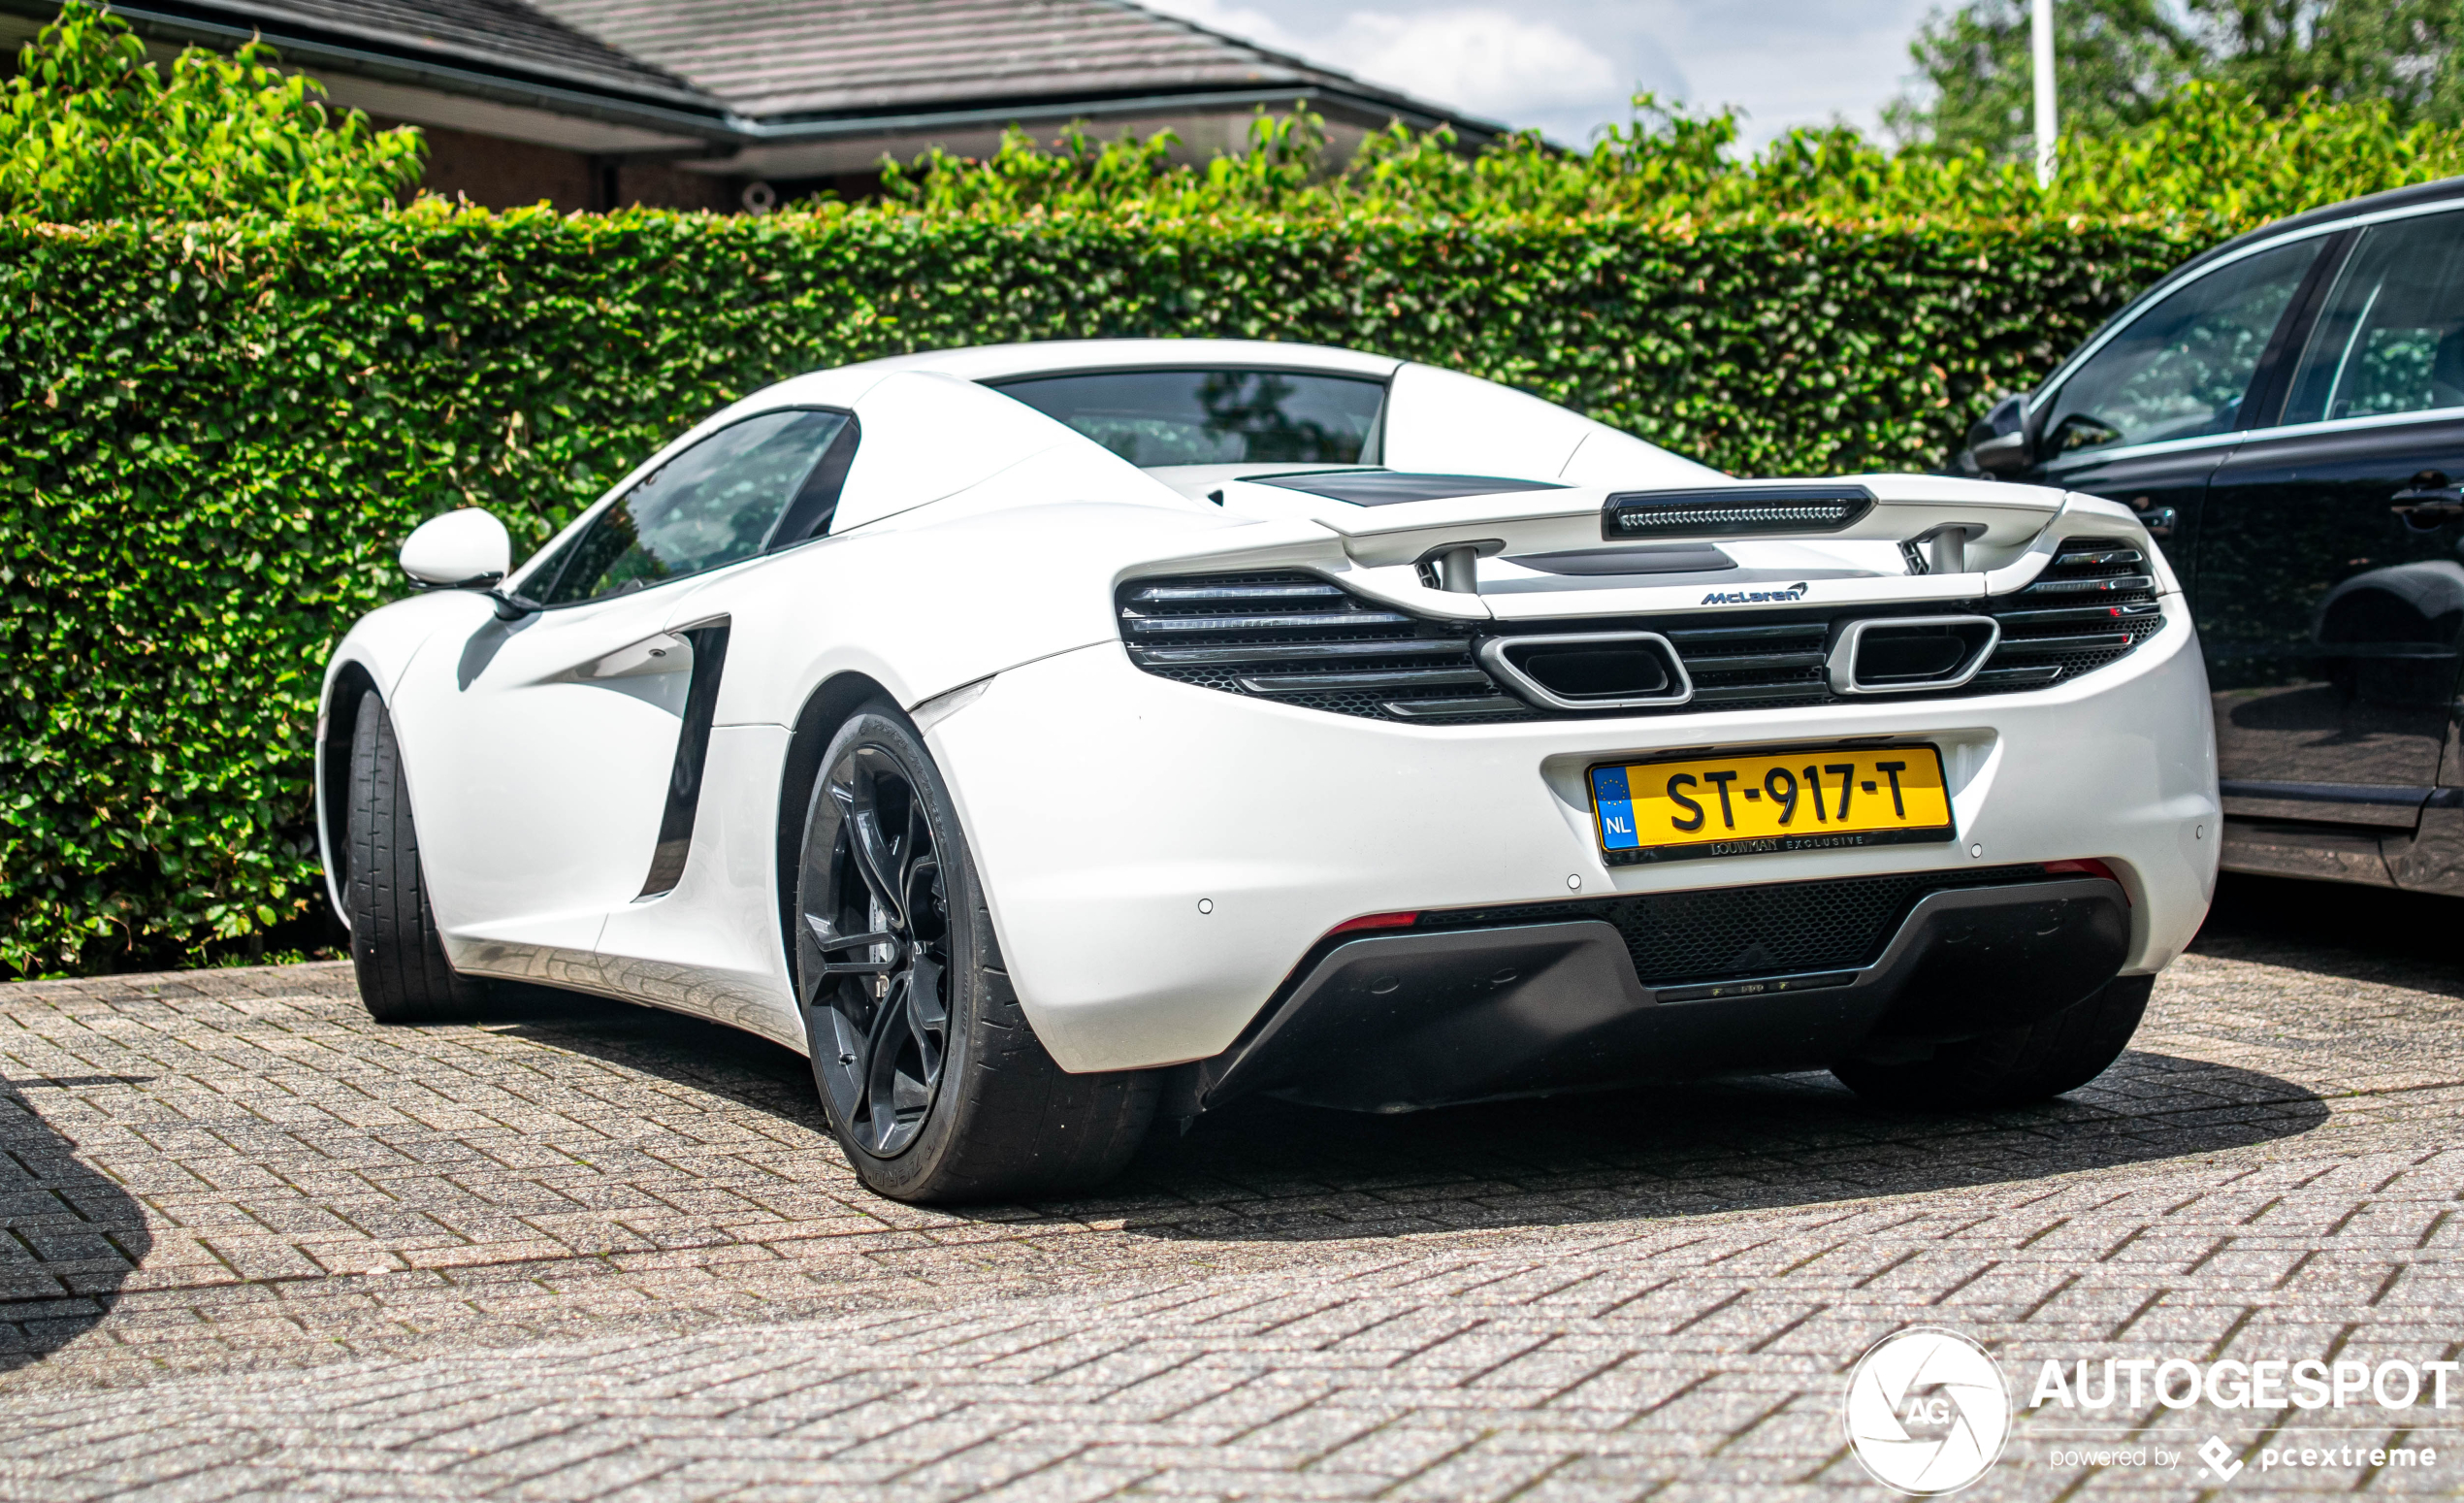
(2330, 593)
(2149, 414)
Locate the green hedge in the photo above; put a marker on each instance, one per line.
(218, 433)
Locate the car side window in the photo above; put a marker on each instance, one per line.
(2181, 369)
(1214, 417)
(725, 498)
(2390, 336)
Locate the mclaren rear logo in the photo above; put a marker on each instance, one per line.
(1787, 594)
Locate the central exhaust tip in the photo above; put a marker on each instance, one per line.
(1897, 655)
(1590, 669)
(1597, 672)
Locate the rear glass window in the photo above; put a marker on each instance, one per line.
(1214, 417)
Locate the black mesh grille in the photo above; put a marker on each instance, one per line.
(1272, 633)
(1250, 634)
(2092, 605)
(1732, 931)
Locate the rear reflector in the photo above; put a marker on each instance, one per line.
(2086, 869)
(1376, 921)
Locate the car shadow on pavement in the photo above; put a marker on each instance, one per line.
(1266, 1169)
(1277, 1170)
(686, 1051)
(72, 1234)
(2337, 928)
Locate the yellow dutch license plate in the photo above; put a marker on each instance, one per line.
(1822, 799)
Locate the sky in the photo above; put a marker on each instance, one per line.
(1567, 66)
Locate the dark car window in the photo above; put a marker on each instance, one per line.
(1212, 417)
(2181, 369)
(2390, 337)
(718, 502)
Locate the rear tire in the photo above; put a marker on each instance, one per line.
(933, 1079)
(2016, 1066)
(403, 975)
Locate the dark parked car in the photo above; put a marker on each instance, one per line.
(2286, 411)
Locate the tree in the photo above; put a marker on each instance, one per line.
(2117, 59)
(90, 129)
(2400, 51)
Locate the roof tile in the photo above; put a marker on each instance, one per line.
(769, 59)
(485, 35)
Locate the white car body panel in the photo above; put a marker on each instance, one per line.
(1291, 821)
(971, 574)
(1446, 422)
(927, 436)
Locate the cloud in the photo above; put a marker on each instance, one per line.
(1804, 64)
(1489, 62)
(1567, 66)
(1483, 61)
(1236, 20)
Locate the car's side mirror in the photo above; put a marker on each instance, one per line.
(2003, 454)
(1998, 444)
(462, 550)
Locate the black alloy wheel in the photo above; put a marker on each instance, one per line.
(933, 1078)
(876, 983)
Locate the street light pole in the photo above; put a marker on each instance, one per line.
(2041, 39)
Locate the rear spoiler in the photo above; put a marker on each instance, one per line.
(1960, 537)
(1962, 524)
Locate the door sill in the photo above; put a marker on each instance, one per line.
(2319, 851)
(2377, 806)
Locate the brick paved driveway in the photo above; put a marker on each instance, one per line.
(259, 1245)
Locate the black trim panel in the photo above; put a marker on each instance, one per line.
(1395, 487)
(809, 515)
(1386, 1021)
(2271, 382)
(693, 751)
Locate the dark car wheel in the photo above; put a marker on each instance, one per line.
(2016, 1066)
(403, 975)
(936, 1085)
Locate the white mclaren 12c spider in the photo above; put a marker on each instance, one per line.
(1044, 737)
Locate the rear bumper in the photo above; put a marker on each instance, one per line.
(1162, 861)
(1428, 1017)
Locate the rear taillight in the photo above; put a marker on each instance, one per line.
(2086, 869)
(1375, 921)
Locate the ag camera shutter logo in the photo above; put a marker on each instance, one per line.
(1928, 1411)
